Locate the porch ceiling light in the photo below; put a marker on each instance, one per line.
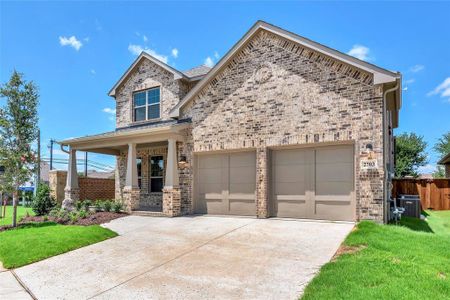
(182, 163)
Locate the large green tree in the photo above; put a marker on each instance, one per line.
(18, 130)
(442, 147)
(409, 154)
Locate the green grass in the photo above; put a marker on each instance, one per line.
(21, 211)
(37, 241)
(411, 261)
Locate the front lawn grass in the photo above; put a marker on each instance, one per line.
(21, 211)
(35, 242)
(411, 261)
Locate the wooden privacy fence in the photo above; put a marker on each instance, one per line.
(434, 193)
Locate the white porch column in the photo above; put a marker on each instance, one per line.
(71, 192)
(171, 191)
(131, 192)
(172, 180)
(132, 175)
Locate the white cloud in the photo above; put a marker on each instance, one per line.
(209, 62)
(443, 89)
(92, 71)
(109, 110)
(145, 38)
(98, 25)
(416, 68)
(409, 81)
(360, 52)
(86, 39)
(71, 41)
(137, 49)
(216, 55)
(427, 169)
(175, 52)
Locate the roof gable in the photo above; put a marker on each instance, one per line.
(379, 75)
(177, 74)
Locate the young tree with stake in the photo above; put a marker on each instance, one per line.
(18, 130)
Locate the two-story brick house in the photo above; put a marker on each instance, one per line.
(281, 126)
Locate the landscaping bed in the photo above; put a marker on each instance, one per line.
(410, 261)
(96, 218)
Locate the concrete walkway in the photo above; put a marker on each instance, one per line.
(190, 258)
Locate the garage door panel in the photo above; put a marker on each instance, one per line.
(334, 210)
(289, 157)
(292, 209)
(334, 154)
(243, 174)
(210, 161)
(228, 185)
(333, 188)
(335, 172)
(289, 173)
(245, 159)
(287, 188)
(313, 183)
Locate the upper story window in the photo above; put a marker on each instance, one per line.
(146, 105)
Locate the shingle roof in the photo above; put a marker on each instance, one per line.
(197, 71)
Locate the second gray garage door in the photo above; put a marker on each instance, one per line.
(314, 183)
(225, 184)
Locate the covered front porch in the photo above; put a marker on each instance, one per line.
(147, 166)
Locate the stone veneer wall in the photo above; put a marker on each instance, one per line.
(276, 93)
(146, 198)
(148, 75)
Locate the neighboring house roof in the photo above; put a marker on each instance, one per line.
(445, 160)
(198, 71)
(380, 75)
(101, 175)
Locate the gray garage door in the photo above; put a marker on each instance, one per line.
(226, 183)
(313, 183)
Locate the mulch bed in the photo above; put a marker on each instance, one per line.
(93, 219)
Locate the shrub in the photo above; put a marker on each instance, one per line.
(79, 205)
(107, 206)
(45, 218)
(73, 217)
(82, 214)
(87, 203)
(54, 212)
(43, 203)
(98, 205)
(117, 206)
(62, 216)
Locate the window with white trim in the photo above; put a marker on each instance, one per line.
(146, 105)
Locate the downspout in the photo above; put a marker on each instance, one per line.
(387, 174)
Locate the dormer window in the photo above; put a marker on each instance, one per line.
(146, 105)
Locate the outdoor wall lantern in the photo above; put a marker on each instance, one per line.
(182, 163)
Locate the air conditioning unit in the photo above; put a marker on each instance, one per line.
(411, 204)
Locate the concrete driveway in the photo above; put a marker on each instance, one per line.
(190, 258)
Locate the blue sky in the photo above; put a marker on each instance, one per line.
(76, 51)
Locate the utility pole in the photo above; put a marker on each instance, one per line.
(38, 179)
(51, 154)
(85, 164)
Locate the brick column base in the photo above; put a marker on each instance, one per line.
(172, 202)
(262, 199)
(71, 195)
(130, 198)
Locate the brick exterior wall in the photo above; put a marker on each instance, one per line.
(275, 93)
(89, 188)
(148, 75)
(96, 188)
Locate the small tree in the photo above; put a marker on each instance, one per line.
(43, 203)
(442, 147)
(409, 154)
(18, 129)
